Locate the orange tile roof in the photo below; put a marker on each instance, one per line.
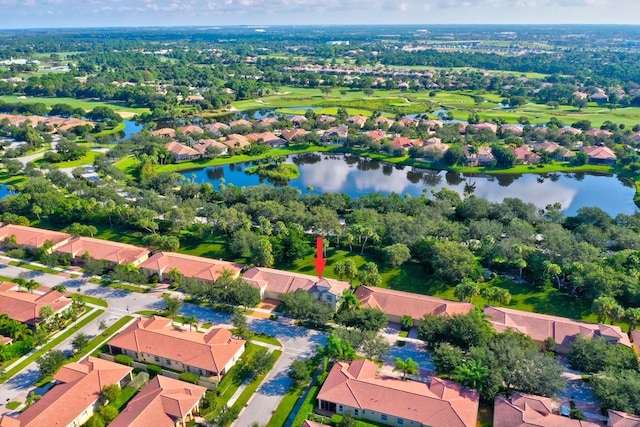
(80, 387)
(32, 237)
(190, 129)
(166, 132)
(600, 153)
(25, 306)
(156, 335)
(160, 403)
(241, 122)
(266, 137)
(306, 423)
(622, 419)
(525, 410)
(442, 404)
(542, 326)
(289, 134)
(236, 139)
(398, 303)
(189, 265)
(178, 149)
(283, 282)
(201, 146)
(115, 252)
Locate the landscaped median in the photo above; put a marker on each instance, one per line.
(70, 330)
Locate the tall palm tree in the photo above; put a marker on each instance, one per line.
(407, 367)
(191, 321)
(31, 285)
(348, 300)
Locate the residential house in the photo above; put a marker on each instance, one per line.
(511, 129)
(323, 118)
(235, 140)
(437, 144)
(164, 132)
(163, 402)
(377, 134)
(241, 122)
(105, 250)
(5, 340)
(433, 124)
(572, 131)
(298, 120)
(524, 155)
(542, 326)
(182, 152)
(355, 388)
(601, 155)
(403, 143)
(478, 156)
(381, 120)
(274, 283)
(526, 410)
(267, 121)
(201, 146)
(75, 397)
(599, 133)
(31, 238)
(622, 419)
(215, 128)
(267, 138)
(599, 97)
(559, 152)
(187, 130)
(25, 306)
(206, 270)
(291, 134)
(357, 121)
(155, 340)
(336, 134)
(194, 99)
(396, 304)
(407, 122)
(488, 126)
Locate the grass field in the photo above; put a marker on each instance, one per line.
(76, 103)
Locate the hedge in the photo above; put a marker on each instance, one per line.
(188, 377)
(123, 359)
(154, 370)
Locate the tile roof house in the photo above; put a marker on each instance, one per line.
(25, 306)
(622, 419)
(525, 410)
(600, 155)
(323, 118)
(357, 389)
(241, 122)
(485, 125)
(572, 131)
(398, 303)
(274, 283)
(377, 134)
(480, 156)
(407, 122)
(235, 140)
(76, 397)
(267, 138)
(182, 152)
(215, 128)
(201, 268)
(201, 146)
(358, 121)
(512, 129)
(290, 134)
(155, 340)
(336, 134)
(542, 326)
(113, 252)
(267, 121)
(31, 237)
(163, 402)
(559, 152)
(524, 155)
(298, 119)
(598, 132)
(405, 143)
(433, 124)
(164, 132)
(380, 120)
(190, 129)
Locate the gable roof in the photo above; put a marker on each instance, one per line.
(215, 127)
(201, 146)
(157, 336)
(542, 326)
(161, 403)
(241, 122)
(236, 139)
(115, 252)
(600, 153)
(32, 237)
(165, 132)
(486, 125)
(622, 419)
(289, 134)
(399, 303)
(442, 404)
(178, 149)
(25, 306)
(80, 386)
(266, 137)
(283, 282)
(526, 410)
(189, 265)
(190, 129)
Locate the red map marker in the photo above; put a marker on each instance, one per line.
(319, 261)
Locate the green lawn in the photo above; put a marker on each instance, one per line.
(91, 300)
(88, 159)
(75, 103)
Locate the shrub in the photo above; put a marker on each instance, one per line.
(273, 317)
(189, 377)
(154, 370)
(139, 381)
(123, 359)
(17, 253)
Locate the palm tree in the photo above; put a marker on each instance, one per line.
(407, 367)
(31, 285)
(191, 321)
(348, 300)
(466, 290)
(632, 316)
(470, 373)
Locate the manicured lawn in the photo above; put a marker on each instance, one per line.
(253, 385)
(285, 407)
(91, 300)
(86, 160)
(104, 336)
(33, 267)
(308, 405)
(75, 103)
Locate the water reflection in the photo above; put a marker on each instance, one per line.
(357, 177)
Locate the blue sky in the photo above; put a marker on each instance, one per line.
(92, 13)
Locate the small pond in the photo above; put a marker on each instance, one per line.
(356, 177)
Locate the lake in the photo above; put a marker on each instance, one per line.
(357, 176)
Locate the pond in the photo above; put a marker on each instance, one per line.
(357, 176)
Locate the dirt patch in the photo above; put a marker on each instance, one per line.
(126, 114)
(269, 304)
